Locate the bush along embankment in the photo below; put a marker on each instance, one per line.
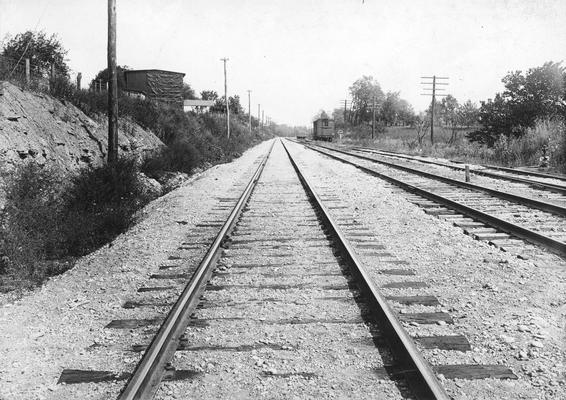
(49, 220)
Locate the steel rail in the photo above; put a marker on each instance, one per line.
(419, 373)
(515, 230)
(521, 172)
(527, 201)
(542, 185)
(148, 374)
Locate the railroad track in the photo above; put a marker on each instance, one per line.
(537, 180)
(259, 279)
(503, 219)
(281, 296)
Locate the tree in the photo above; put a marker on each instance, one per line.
(469, 114)
(209, 95)
(103, 76)
(449, 115)
(220, 105)
(363, 92)
(43, 51)
(540, 93)
(338, 116)
(389, 110)
(188, 92)
(406, 114)
(235, 106)
(495, 118)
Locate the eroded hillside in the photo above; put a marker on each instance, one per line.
(36, 126)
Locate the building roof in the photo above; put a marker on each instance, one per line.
(152, 70)
(198, 102)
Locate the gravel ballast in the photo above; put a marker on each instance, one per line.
(278, 319)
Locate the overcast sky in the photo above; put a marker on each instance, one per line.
(299, 56)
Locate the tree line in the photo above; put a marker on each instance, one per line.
(392, 110)
(529, 97)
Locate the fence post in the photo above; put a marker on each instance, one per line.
(27, 72)
(79, 76)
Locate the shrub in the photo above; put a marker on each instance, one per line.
(180, 155)
(100, 205)
(546, 137)
(45, 223)
(30, 229)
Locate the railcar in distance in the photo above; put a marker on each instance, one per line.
(323, 129)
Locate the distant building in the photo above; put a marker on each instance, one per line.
(197, 105)
(156, 85)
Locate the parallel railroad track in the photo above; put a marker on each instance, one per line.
(536, 180)
(499, 217)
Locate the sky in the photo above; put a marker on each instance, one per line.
(300, 56)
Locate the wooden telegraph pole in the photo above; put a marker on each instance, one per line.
(226, 99)
(249, 111)
(28, 72)
(258, 120)
(434, 83)
(373, 118)
(113, 85)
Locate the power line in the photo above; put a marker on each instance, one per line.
(112, 85)
(226, 99)
(432, 80)
(249, 111)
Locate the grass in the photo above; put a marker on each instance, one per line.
(510, 152)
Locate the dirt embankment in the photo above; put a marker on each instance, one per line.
(38, 127)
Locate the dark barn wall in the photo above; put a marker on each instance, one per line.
(136, 81)
(162, 86)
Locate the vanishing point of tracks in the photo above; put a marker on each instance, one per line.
(503, 218)
(282, 298)
(314, 307)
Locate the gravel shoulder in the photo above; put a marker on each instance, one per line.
(58, 325)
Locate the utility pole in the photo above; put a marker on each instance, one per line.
(249, 111)
(226, 99)
(258, 120)
(262, 118)
(373, 118)
(28, 73)
(345, 110)
(434, 83)
(113, 85)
